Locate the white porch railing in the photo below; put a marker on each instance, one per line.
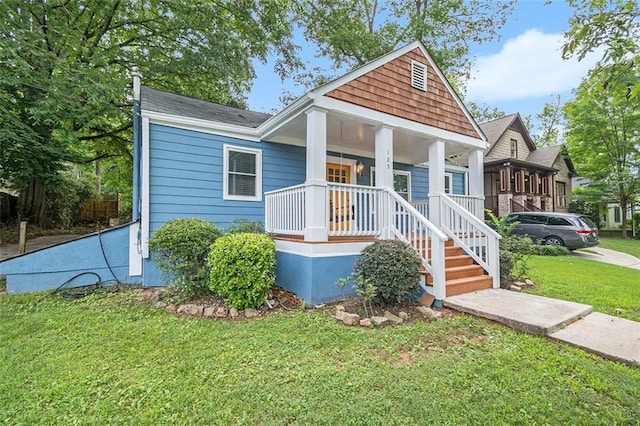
(284, 210)
(352, 209)
(473, 204)
(422, 206)
(475, 237)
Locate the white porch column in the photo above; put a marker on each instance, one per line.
(316, 213)
(384, 176)
(436, 180)
(476, 181)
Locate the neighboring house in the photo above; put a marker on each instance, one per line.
(520, 177)
(358, 159)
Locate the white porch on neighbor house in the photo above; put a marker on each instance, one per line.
(317, 209)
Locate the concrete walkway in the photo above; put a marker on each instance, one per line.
(611, 337)
(608, 256)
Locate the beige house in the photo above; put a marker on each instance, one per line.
(520, 177)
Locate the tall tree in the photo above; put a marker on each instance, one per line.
(604, 134)
(550, 123)
(483, 112)
(353, 32)
(64, 73)
(613, 27)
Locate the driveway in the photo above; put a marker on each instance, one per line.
(10, 250)
(608, 256)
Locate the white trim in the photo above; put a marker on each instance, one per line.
(145, 188)
(420, 84)
(353, 177)
(204, 126)
(398, 122)
(225, 171)
(372, 170)
(321, 249)
(135, 251)
(289, 113)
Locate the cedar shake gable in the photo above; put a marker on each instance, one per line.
(388, 89)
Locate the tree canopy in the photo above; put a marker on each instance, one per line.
(65, 70)
(353, 32)
(604, 134)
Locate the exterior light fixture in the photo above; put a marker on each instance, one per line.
(359, 168)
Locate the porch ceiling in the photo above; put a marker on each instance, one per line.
(353, 135)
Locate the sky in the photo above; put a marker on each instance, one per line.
(518, 73)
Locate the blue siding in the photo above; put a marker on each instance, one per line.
(186, 175)
(50, 267)
(459, 187)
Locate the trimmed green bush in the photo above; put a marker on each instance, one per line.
(180, 248)
(392, 268)
(242, 269)
(549, 250)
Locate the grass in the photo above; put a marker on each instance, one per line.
(628, 246)
(106, 360)
(607, 288)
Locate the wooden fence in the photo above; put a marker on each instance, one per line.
(101, 210)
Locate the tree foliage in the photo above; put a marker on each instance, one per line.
(65, 62)
(550, 124)
(353, 32)
(483, 112)
(604, 133)
(612, 26)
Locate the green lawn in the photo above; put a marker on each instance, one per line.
(605, 287)
(107, 360)
(629, 246)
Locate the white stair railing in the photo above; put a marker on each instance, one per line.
(409, 225)
(475, 205)
(284, 210)
(474, 236)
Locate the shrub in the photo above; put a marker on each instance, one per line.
(180, 247)
(549, 250)
(515, 250)
(243, 225)
(242, 269)
(392, 268)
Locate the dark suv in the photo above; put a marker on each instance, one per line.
(570, 230)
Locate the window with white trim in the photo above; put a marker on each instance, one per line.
(448, 183)
(401, 182)
(419, 76)
(242, 173)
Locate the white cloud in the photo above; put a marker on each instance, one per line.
(529, 66)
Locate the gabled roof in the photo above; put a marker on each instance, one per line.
(494, 130)
(547, 156)
(169, 103)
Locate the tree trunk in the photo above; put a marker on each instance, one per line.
(623, 207)
(31, 203)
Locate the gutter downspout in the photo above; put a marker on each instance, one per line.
(135, 213)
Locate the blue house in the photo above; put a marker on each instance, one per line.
(361, 158)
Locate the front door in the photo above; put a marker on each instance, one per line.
(340, 209)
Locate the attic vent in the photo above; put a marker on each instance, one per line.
(419, 75)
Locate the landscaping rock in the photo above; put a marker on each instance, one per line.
(403, 315)
(393, 318)
(251, 313)
(194, 309)
(515, 287)
(427, 312)
(233, 313)
(379, 321)
(160, 304)
(350, 319)
(427, 299)
(339, 312)
(365, 322)
(209, 311)
(519, 284)
(182, 309)
(528, 282)
(271, 303)
(221, 312)
(171, 308)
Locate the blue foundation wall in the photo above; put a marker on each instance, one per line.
(314, 278)
(48, 268)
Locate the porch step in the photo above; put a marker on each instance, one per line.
(459, 260)
(468, 285)
(456, 272)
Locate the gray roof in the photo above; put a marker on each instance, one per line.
(545, 156)
(495, 128)
(168, 103)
